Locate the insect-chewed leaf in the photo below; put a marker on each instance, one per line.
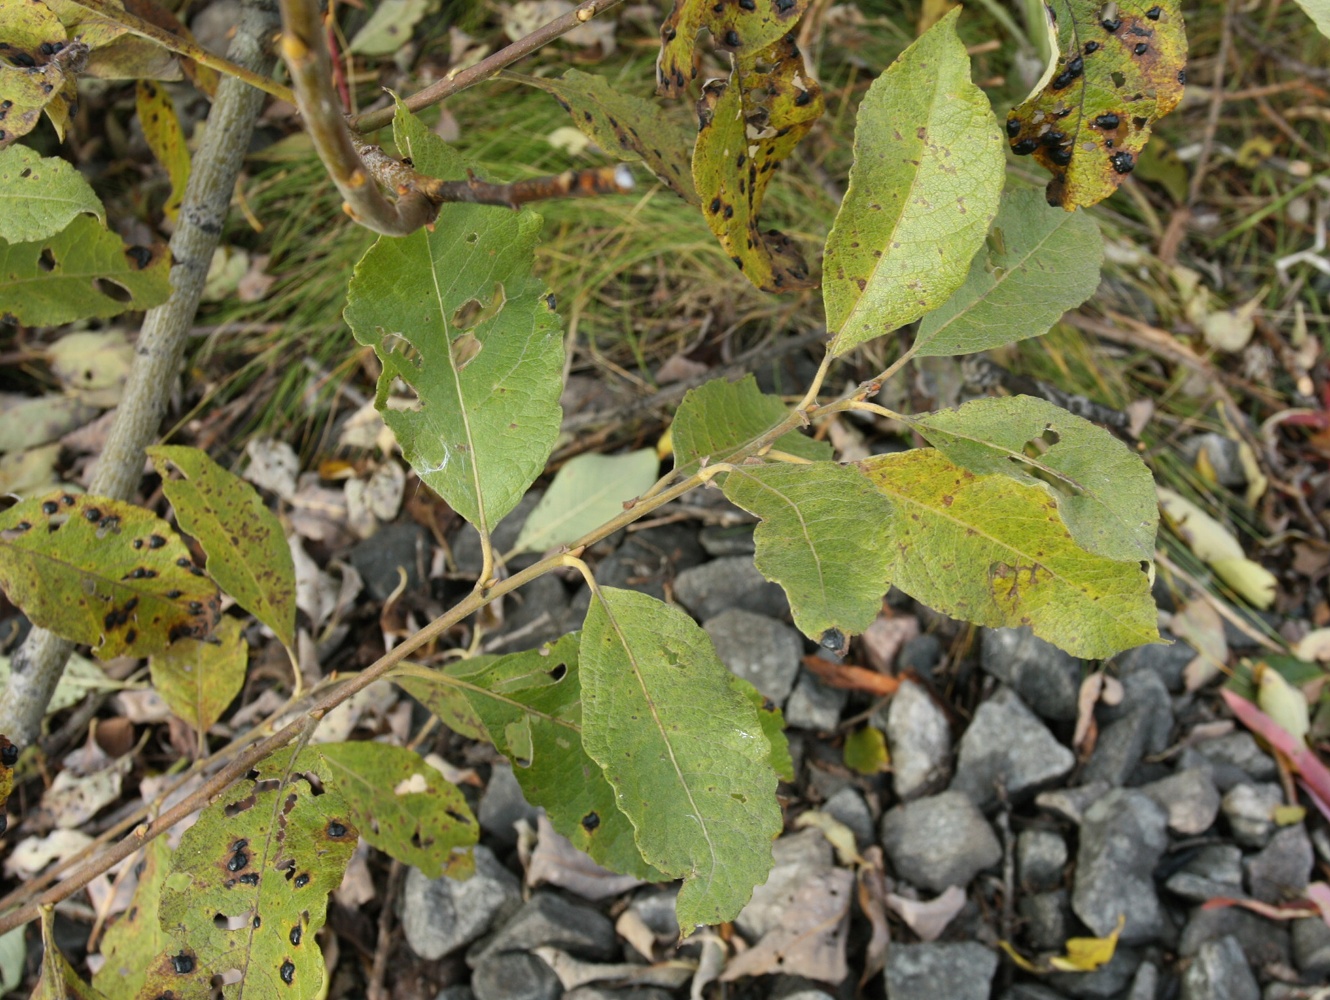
(248, 889)
(166, 139)
(135, 939)
(85, 271)
(40, 195)
(748, 125)
(588, 491)
(197, 680)
(104, 572)
(59, 981)
(625, 126)
(39, 68)
(823, 538)
(487, 421)
(683, 749)
(925, 183)
(403, 806)
(743, 27)
(531, 704)
(247, 551)
(990, 550)
(1118, 69)
(1038, 264)
(717, 419)
(1104, 492)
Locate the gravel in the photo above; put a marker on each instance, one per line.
(442, 915)
(729, 582)
(1041, 855)
(919, 738)
(1007, 750)
(1122, 838)
(549, 919)
(939, 841)
(1220, 972)
(813, 705)
(761, 650)
(1213, 871)
(1250, 810)
(931, 971)
(1280, 870)
(1190, 799)
(502, 805)
(1046, 678)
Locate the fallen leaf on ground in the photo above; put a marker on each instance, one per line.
(557, 862)
(846, 677)
(928, 919)
(810, 937)
(573, 972)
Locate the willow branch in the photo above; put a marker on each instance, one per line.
(183, 47)
(371, 121)
(38, 664)
(306, 52)
(239, 766)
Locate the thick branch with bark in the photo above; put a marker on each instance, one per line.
(38, 664)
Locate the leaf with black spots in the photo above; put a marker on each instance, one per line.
(104, 572)
(248, 889)
(39, 67)
(198, 680)
(1117, 69)
(625, 127)
(135, 939)
(743, 27)
(748, 126)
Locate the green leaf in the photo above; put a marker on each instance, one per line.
(717, 419)
(866, 751)
(823, 538)
(1104, 492)
(262, 858)
(625, 127)
(738, 28)
(683, 749)
(135, 939)
(198, 680)
(1319, 12)
(84, 271)
(103, 572)
(531, 704)
(246, 548)
(489, 392)
(40, 195)
(13, 958)
(588, 491)
(1039, 263)
(990, 550)
(445, 699)
(389, 28)
(403, 806)
(748, 125)
(927, 174)
(773, 727)
(59, 981)
(1116, 70)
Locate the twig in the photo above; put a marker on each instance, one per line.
(38, 664)
(183, 47)
(371, 121)
(306, 52)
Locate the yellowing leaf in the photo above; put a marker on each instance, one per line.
(198, 680)
(1215, 544)
(1313, 646)
(40, 195)
(990, 550)
(59, 980)
(1117, 69)
(135, 939)
(743, 29)
(166, 139)
(38, 71)
(1088, 954)
(923, 189)
(103, 572)
(247, 551)
(748, 125)
(1280, 700)
(866, 751)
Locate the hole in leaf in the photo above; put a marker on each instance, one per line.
(1119, 80)
(559, 672)
(113, 290)
(472, 237)
(46, 261)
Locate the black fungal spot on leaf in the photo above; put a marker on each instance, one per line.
(1123, 162)
(288, 972)
(590, 822)
(295, 936)
(183, 964)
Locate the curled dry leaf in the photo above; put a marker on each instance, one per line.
(928, 919)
